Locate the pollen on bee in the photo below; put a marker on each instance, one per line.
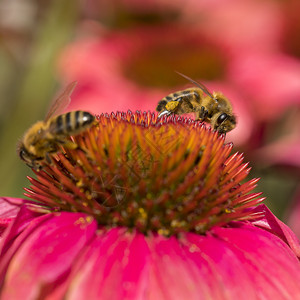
(213, 108)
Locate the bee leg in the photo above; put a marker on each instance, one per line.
(69, 145)
(36, 165)
(72, 146)
(47, 157)
(32, 165)
(165, 112)
(202, 114)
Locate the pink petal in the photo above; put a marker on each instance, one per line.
(273, 267)
(62, 257)
(174, 274)
(274, 225)
(16, 226)
(114, 267)
(9, 208)
(45, 257)
(230, 263)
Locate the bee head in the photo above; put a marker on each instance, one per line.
(29, 159)
(224, 122)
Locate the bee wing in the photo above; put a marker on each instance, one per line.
(62, 101)
(198, 84)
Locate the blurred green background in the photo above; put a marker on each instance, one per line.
(32, 34)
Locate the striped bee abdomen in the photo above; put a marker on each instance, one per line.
(71, 123)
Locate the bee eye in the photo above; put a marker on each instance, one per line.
(22, 154)
(222, 118)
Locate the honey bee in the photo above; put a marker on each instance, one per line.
(213, 108)
(46, 137)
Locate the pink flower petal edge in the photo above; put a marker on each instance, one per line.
(9, 208)
(271, 223)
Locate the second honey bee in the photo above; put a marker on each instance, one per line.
(46, 137)
(213, 108)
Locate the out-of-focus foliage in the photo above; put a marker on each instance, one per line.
(31, 35)
(123, 53)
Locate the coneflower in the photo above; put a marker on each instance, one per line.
(146, 209)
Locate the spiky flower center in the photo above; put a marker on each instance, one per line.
(164, 176)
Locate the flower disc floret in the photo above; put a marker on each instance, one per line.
(167, 176)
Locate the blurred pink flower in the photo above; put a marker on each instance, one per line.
(283, 152)
(230, 21)
(188, 228)
(125, 65)
(211, 41)
(136, 63)
(284, 147)
(290, 42)
(293, 214)
(243, 26)
(271, 82)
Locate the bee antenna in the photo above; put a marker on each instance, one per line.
(198, 84)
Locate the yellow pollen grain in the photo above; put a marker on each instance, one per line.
(163, 231)
(89, 219)
(178, 224)
(143, 213)
(79, 183)
(88, 196)
(79, 221)
(84, 221)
